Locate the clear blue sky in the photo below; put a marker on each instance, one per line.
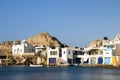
(74, 22)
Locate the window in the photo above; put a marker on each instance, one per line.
(14, 50)
(107, 53)
(68, 52)
(53, 53)
(104, 45)
(17, 50)
(34, 50)
(111, 46)
(30, 50)
(64, 52)
(21, 50)
(75, 52)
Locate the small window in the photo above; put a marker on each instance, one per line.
(104, 45)
(68, 52)
(33, 50)
(14, 50)
(111, 46)
(18, 50)
(107, 53)
(30, 50)
(21, 50)
(64, 52)
(53, 53)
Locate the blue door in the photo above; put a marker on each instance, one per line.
(52, 61)
(70, 61)
(107, 60)
(77, 60)
(100, 60)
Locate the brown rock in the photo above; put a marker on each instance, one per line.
(98, 43)
(44, 39)
(95, 43)
(6, 47)
(117, 37)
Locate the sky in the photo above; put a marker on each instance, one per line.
(73, 22)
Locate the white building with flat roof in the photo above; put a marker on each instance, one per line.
(108, 53)
(53, 56)
(67, 54)
(22, 48)
(64, 54)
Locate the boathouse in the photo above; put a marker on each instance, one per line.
(53, 56)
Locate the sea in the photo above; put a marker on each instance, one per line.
(58, 73)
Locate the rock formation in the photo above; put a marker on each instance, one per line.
(6, 47)
(117, 37)
(44, 39)
(98, 43)
(95, 43)
(40, 39)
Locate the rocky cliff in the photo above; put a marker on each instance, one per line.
(117, 37)
(98, 43)
(6, 47)
(44, 39)
(40, 39)
(95, 43)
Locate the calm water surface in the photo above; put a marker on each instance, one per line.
(58, 73)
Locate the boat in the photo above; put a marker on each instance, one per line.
(32, 65)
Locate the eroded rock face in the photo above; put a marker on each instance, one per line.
(98, 43)
(44, 39)
(6, 47)
(40, 39)
(95, 43)
(117, 37)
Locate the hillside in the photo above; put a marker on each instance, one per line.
(40, 39)
(95, 43)
(44, 39)
(98, 43)
(117, 37)
(6, 47)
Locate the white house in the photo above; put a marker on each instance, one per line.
(108, 53)
(22, 48)
(67, 55)
(53, 56)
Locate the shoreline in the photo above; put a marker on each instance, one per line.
(81, 65)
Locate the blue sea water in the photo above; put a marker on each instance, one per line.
(58, 73)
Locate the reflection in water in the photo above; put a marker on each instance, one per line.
(58, 73)
(64, 75)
